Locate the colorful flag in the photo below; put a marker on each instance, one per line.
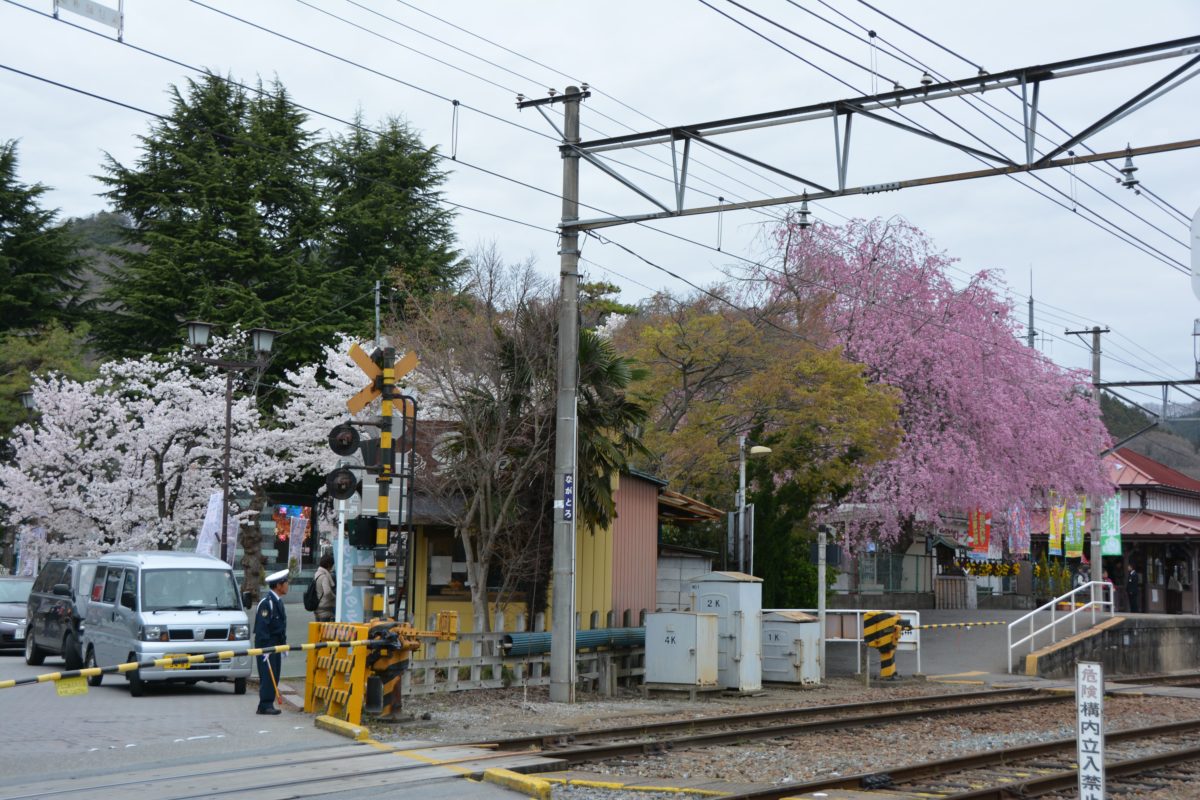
(979, 532)
(1018, 530)
(1073, 531)
(1110, 527)
(1054, 525)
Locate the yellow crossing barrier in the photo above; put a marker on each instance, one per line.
(130, 666)
(343, 686)
(951, 625)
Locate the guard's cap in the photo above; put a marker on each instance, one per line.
(277, 577)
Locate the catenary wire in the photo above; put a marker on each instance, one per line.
(1010, 90)
(453, 204)
(1123, 235)
(975, 101)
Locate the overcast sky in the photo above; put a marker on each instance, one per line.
(681, 62)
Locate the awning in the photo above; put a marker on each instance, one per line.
(676, 507)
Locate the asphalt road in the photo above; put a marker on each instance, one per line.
(187, 741)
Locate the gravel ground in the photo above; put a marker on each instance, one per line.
(474, 716)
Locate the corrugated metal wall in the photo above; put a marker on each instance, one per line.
(635, 547)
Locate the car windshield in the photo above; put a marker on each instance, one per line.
(15, 591)
(182, 589)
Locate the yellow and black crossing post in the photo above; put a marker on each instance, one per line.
(393, 637)
(881, 630)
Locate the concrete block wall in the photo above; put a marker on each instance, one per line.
(1138, 645)
(675, 574)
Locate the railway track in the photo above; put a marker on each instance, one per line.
(578, 747)
(1024, 771)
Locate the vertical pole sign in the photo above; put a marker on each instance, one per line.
(1089, 729)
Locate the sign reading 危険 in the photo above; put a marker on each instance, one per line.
(1089, 729)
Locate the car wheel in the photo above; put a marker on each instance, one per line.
(34, 655)
(70, 652)
(90, 662)
(137, 686)
(239, 685)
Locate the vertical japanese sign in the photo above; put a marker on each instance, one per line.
(1089, 729)
(1054, 525)
(1073, 525)
(979, 533)
(568, 498)
(1110, 527)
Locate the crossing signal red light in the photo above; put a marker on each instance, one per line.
(341, 483)
(344, 439)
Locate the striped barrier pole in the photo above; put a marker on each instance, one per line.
(951, 625)
(881, 630)
(130, 666)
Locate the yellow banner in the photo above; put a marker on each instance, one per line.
(1055, 529)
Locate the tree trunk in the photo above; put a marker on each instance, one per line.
(252, 554)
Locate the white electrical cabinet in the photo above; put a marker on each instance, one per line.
(681, 648)
(790, 647)
(736, 599)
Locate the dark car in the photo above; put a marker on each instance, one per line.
(13, 593)
(57, 607)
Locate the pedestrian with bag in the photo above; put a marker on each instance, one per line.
(325, 589)
(270, 630)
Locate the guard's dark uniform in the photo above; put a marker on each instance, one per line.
(270, 629)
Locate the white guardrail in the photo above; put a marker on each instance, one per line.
(1088, 598)
(846, 625)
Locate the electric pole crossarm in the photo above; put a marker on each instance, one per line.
(756, 162)
(680, 171)
(619, 178)
(921, 94)
(966, 148)
(1121, 110)
(1029, 107)
(607, 222)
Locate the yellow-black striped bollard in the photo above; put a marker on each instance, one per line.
(881, 630)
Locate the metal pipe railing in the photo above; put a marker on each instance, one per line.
(1089, 589)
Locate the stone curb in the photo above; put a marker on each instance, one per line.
(342, 728)
(525, 784)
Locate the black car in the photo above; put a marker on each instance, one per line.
(57, 607)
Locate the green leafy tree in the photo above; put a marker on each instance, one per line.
(39, 265)
(488, 372)
(225, 218)
(386, 222)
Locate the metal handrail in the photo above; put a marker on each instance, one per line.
(1105, 603)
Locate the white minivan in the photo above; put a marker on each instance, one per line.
(155, 604)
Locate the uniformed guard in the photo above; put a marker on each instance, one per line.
(270, 629)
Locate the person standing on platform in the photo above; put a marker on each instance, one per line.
(326, 590)
(270, 630)
(1133, 590)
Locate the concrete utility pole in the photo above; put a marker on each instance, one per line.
(1096, 330)
(562, 634)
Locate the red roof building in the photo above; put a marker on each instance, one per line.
(1160, 532)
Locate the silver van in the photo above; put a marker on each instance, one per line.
(155, 604)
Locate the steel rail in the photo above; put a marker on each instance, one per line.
(927, 769)
(601, 751)
(627, 731)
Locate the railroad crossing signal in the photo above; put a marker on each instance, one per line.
(371, 368)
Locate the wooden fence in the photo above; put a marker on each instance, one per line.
(477, 661)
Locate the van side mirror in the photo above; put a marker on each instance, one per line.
(245, 600)
(61, 589)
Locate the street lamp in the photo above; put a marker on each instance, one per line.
(261, 340)
(27, 401)
(744, 544)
